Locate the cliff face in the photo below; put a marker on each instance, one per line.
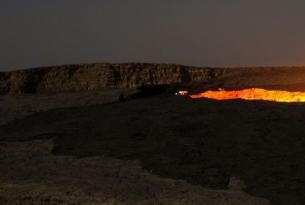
(94, 76)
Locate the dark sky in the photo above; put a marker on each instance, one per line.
(193, 32)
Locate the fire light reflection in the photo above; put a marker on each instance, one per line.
(253, 94)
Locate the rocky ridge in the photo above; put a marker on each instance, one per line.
(82, 77)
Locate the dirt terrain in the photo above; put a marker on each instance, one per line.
(30, 174)
(14, 107)
(90, 148)
(204, 143)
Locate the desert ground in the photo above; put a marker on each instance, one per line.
(90, 148)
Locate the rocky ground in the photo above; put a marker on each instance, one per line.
(89, 148)
(14, 107)
(30, 174)
(35, 169)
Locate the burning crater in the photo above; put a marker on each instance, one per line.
(253, 94)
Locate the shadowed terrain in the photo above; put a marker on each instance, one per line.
(203, 142)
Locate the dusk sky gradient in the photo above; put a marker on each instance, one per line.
(194, 32)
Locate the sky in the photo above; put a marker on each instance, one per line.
(194, 32)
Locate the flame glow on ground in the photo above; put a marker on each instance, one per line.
(253, 94)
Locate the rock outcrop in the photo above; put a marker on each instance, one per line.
(130, 75)
(30, 174)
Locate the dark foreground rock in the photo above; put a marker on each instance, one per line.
(202, 142)
(31, 175)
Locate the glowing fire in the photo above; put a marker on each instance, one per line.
(253, 94)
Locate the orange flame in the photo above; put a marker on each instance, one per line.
(253, 94)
